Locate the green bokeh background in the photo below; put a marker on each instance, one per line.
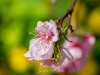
(19, 17)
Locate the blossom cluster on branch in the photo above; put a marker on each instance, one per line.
(46, 44)
(47, 47)
(51, 46)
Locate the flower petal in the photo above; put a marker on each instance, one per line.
(28, 55)
(53, 29)
(67, 54)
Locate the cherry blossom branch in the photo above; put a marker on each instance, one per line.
(68, 16)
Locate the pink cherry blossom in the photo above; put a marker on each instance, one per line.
(41, 48)
(79, 48)
(47, 30)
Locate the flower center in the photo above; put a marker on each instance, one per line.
(41, 45)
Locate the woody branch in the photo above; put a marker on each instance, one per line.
(68, 16)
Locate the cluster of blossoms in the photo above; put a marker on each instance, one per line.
(46, 47)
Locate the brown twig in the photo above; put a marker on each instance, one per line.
(68, 16)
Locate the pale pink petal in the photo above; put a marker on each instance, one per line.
(39, 24)
(48, 53)
(28, 55)
(53, 29)
(91, 39)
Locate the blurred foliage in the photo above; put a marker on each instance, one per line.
(19, 17)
